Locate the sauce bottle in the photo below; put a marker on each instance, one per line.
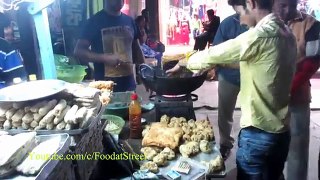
(135, 118)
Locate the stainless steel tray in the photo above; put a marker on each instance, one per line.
(32, 90)
(72, 132)
(51, 164)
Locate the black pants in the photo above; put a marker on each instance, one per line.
(201, 41)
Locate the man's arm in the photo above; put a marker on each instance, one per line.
(309, 66)
(224, 53)
(82, 52)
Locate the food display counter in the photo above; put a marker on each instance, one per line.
(55, 109)
(163, 154)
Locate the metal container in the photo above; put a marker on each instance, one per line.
(183, 82)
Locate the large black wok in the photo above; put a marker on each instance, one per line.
(183, 82)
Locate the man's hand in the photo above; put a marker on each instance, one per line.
(173, 70)
(211, 75)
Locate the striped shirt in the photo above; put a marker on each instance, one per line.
(10, 64)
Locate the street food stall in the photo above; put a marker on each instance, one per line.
(59, 122)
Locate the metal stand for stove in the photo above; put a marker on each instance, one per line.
(174, 107)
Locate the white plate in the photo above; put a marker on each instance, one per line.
(31, 90)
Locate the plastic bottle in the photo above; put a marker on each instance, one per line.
(135, 117)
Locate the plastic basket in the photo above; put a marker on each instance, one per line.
(116, 120)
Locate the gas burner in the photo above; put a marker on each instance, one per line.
(174, 106)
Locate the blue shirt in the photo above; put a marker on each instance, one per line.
(229, 28)
(10, 64)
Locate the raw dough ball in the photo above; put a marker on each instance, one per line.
(205, 146)
(149, 153)
(151, 166)
(160, 159)
(165, 119)
(169, 153)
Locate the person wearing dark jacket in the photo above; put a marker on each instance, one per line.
(307, 32)
(11, 65)
(229, 78)
(210, 29)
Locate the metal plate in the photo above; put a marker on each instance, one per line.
(51, 164)
(31, 90)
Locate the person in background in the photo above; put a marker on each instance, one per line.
(229, 78)
(210, 29)
(11, 64)
(145, 14)
(267, 54)
(307, 32)
(195, 26)
(113, 38)
(148, 52)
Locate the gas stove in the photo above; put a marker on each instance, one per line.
(174, 105)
